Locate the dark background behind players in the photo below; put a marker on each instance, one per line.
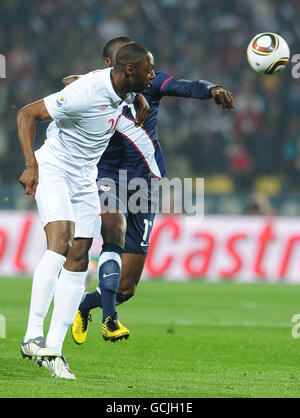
(256, 148)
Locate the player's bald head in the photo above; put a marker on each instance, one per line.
(135, 66)
(130, 53)
(111, 48)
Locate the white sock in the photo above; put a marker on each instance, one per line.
(43, 286)
(67, 297)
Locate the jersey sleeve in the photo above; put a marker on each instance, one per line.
(69, 102)
(179, 87)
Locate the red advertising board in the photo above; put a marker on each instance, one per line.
(217, 247)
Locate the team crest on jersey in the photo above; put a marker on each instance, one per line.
(103, 107)
(104, 188)
(60, 101)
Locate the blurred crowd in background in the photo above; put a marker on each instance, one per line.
(252, 150)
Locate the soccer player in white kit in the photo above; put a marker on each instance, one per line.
(61, 176)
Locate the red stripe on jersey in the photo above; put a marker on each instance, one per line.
(165, 82)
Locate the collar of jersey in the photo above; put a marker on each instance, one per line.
(110, 88)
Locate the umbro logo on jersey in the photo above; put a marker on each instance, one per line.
(103, 107)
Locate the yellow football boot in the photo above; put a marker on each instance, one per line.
(113, 330)
(80, 326)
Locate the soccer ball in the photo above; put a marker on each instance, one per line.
(268, 53)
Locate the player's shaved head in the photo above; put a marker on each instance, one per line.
(112, 46)
(130, 53)
(134, 67)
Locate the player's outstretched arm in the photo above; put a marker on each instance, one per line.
(197, 89)
(26, 121)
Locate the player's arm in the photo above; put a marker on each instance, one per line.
(199, 89)
(63, 104)
(68, 80)
(142, 109)
(26, 120)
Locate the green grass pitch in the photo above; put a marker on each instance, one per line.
(188, 339)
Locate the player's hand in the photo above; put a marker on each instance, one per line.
(30, 179)
(142, 109)
(223, 97)
(68, 80)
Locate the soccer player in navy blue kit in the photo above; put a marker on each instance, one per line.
(139, 155)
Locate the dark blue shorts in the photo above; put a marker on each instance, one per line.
(139, 228)
(139, 224)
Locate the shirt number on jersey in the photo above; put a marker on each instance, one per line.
(113, 125)
(146, 236)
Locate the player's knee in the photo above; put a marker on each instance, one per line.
(61, 245)
(78, 259)
(114, 232)
(77, 263)
(60, 237)
(82, 264)
(125, 294)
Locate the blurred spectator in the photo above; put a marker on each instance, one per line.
(259, 204)
(240, 165)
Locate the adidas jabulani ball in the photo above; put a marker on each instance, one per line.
(268, 53)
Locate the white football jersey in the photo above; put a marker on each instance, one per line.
(85, 116)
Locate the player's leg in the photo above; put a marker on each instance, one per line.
(138, 232)
(78, 260)
(110, 268)
(59, 236)
(113, 233)
(70, 287)
(132, 268)
(113, 228)
(69, 292)
(139, 228)
(52, 197)
(110, 261)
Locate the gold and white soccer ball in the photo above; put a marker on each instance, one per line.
(268, 53)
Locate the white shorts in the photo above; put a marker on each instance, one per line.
(68, 195)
